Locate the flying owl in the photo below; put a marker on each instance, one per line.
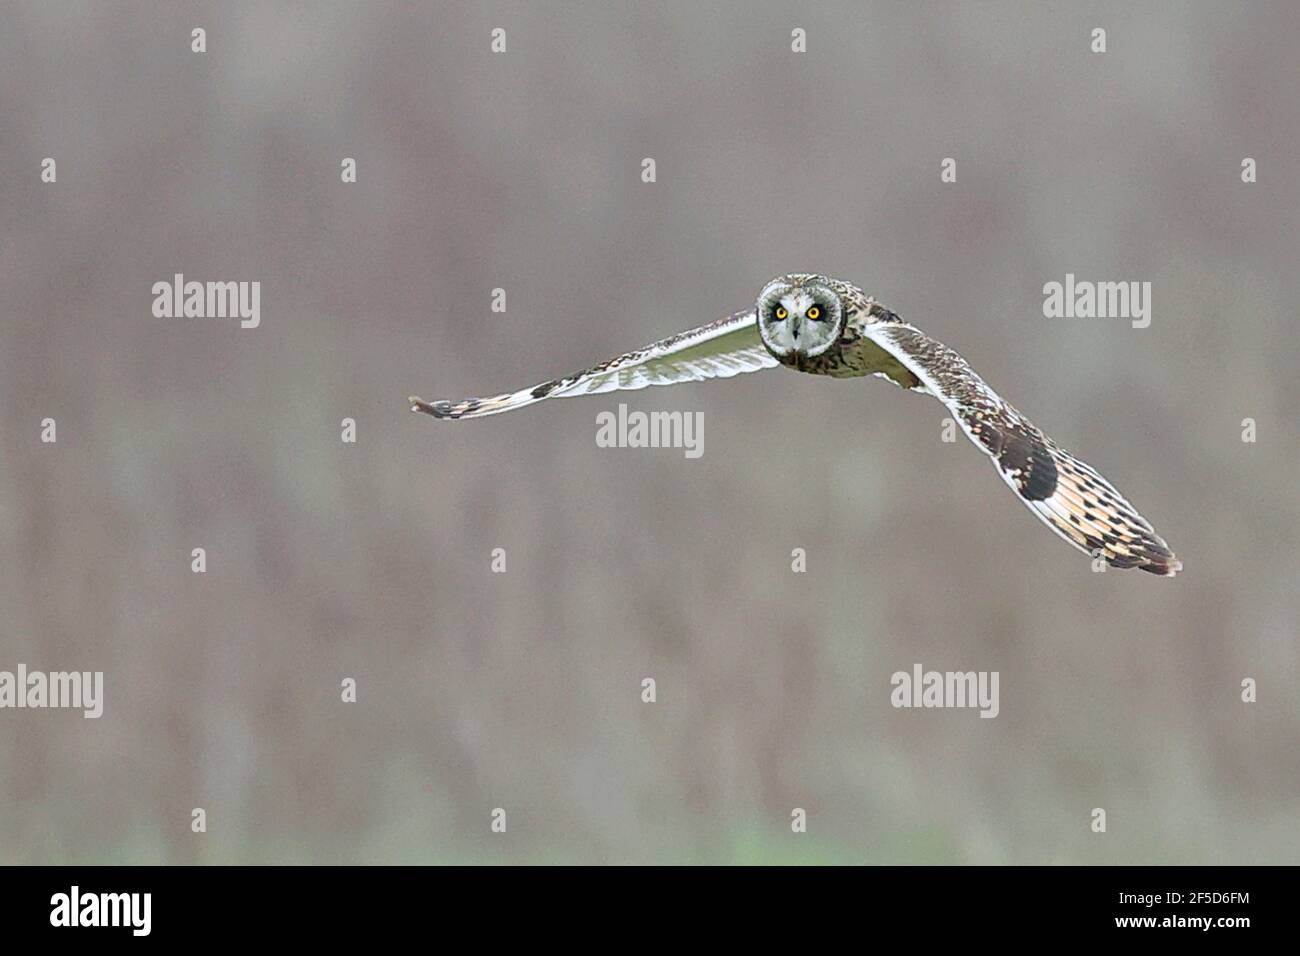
(825, 326)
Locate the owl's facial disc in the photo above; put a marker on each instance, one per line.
(799, 318)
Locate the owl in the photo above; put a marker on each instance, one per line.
(824, 326)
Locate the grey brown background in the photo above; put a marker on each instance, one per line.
(521, 690)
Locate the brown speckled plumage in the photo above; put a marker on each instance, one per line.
(855, 336)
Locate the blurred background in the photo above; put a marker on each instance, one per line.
(522, 690)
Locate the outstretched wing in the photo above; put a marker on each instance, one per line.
(1067, 494)
(718, 350)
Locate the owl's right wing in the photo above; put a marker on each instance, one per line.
(720, 349)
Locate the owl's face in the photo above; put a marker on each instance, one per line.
(799, 315)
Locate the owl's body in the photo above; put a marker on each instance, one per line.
(824, 326)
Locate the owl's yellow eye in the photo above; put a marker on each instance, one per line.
(814, 313)
(780, 312)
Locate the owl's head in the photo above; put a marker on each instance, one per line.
(799, 315)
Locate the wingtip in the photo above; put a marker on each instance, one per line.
(1166, 568)
(436, 409)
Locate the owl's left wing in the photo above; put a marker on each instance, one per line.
(720, 349)
(1067, 494)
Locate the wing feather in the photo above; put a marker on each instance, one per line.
(1067, 494)
(721, 349)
